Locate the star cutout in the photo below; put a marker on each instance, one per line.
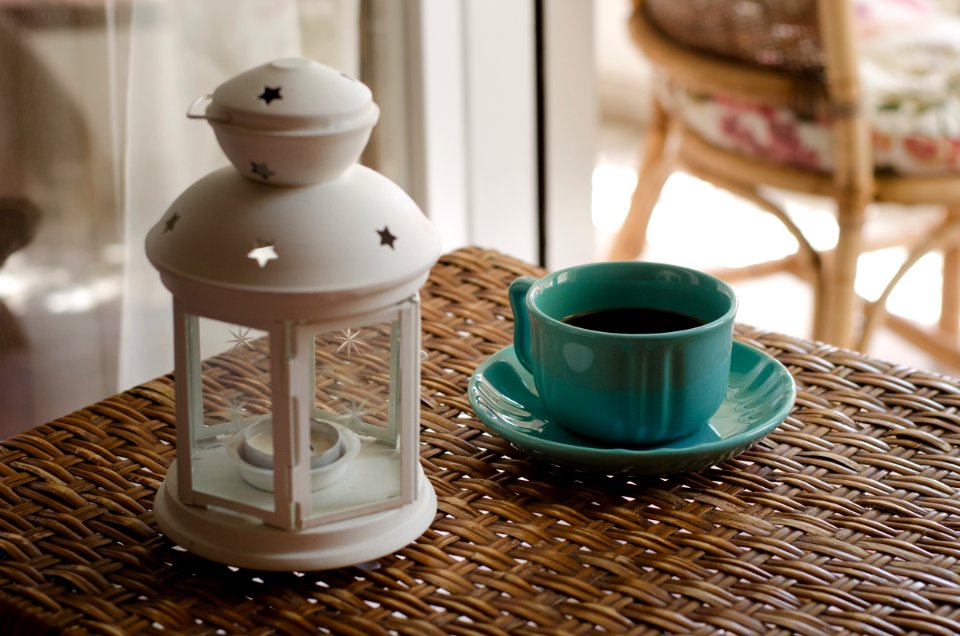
(241, 337)
(261, 169)
(235, 408)
(269, 94)
(171, 221)
(263, 253)
(350, 342)
(386, 238)
(354, 414)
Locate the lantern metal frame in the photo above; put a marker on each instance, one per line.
(222, 529)
(296, 241)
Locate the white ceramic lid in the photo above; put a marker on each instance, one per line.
(293, 95)
(353, 234)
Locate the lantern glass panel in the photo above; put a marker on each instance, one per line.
(235, 394)
(356, 387)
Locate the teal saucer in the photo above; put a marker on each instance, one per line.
(759, 398)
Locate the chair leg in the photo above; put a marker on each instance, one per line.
(944, 237)
(837, 305)
(822, 317)
(950, 302)
(655, 167)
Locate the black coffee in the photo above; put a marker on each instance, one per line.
(633, 320)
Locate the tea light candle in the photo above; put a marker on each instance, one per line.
(257, 447)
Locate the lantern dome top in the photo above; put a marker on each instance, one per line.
(290, 121)
(359, 234)
(293, 95)
(345, 239)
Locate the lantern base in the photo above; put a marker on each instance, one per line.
(228, 538)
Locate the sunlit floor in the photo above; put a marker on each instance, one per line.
(698, 225)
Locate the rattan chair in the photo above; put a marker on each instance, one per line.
(801, 55)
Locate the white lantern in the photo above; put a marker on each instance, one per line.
(295, 278)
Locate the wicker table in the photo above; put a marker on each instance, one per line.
(846, 519)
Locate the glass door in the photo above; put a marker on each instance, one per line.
(486, 120)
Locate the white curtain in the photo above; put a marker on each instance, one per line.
(180, 50)
(94, 146)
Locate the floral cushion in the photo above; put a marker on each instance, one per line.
(910, 70)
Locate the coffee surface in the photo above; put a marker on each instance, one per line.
(633, 320)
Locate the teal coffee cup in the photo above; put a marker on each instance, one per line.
(632, 353)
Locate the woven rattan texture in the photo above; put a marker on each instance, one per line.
(844, 520)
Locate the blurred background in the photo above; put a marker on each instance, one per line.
(515, 124)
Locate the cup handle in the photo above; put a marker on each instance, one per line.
(521, 319)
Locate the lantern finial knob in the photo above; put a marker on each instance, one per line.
(291, 121)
